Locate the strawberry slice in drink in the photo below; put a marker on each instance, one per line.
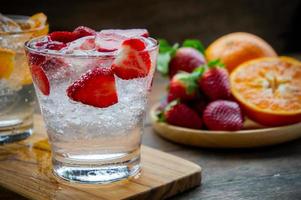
(40, 79)
(83, 31)
(132, 61)
(111, 39)
(128, 33)
(96, 88)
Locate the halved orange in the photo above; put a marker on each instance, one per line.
(235, 48)
(7, 62)
(269, 90)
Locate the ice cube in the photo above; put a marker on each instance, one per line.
(107, 42)
(8, 25)
(129, 33)
(84, 43)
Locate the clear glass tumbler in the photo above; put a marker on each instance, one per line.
(90, 144)
(16, 89)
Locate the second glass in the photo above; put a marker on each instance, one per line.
(17, 97)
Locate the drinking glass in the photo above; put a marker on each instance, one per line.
(90, 144)
(17, 95)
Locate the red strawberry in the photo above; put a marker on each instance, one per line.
(63, 36)
(96, 88)
(83, 31)
(53, 64)
(54, 45)
(132, 61)
(183, 86)
(186, 59)
(223, 115)
(40, 79)
(181, 115)
(35, 59)
(199, 104)
(215, 83)
(129, 33)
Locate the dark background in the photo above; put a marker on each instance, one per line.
(277, 21)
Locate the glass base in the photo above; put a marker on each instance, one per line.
(98, 172)
(15, 130)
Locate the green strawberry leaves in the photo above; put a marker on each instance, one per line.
(189, 80)
(210, 65)
(197, 44)
(216, 64)
(167, 51)
(160, 114)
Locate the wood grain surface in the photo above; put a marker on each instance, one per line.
(25, 168)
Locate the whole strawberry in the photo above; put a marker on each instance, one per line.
(215, 82)
(183, 86)
(185, 59)
(199, 104)
(180, 114)
(223, 115)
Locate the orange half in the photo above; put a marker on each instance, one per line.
(269, 90)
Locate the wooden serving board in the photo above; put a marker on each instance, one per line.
(25, 168)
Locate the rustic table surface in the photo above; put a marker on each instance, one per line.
(263, 173)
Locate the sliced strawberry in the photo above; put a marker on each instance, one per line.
(54, 45)
(83, 31)
(53, 64)
(96, 88)
(40, 79)
(129, 33)
(132, 61)
(35, 59)
(63, 36)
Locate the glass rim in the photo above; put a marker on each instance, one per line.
(33, 30)
(111, 54)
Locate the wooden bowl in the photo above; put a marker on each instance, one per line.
(253, 135)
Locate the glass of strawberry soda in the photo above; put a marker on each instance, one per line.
(93, 96)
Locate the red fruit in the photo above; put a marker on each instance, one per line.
(35, 59)
(96, 88)
(223, 115)
(215, 83)
(199, 105)
(129, 33)
(181, 115)
(83, 31)
(53, 64)
(186, 59)
(54, 45)
(62, 36)
(132, 61)
(183, 86)
(40, 79)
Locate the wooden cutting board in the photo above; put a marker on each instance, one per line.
(25, 168)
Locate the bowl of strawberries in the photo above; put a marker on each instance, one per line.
(254, 102)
